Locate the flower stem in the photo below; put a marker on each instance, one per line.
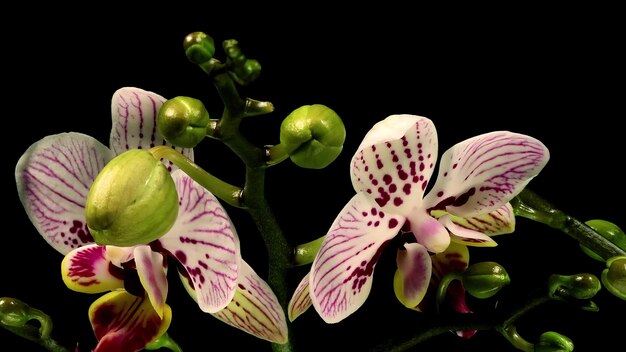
(530, 205)
(225, 191)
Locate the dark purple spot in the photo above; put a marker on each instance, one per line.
(440, 193)
(393, 223)
(374, 211)
(403, 175)
(387, 179)
(364, 213)
(376, 223)
(379, 164)
(397, 201)
(406, 188)
(181, 256)
(393, 188)
(455, 165)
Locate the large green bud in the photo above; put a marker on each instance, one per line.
(199, 47)
(551, 341)
(313, 136)
(132, 201)
(183, 121)
(485, 279)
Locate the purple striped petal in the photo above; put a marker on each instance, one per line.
(123, 322)
(255, 308)
(498, 222)
(413, 275)
(483, 173)
(134, 114)
(205, 242)
(395, 162)
(301, 300)
(86, 269)
(152, 276)
(341, 274)
(466, 236)
(53, 179)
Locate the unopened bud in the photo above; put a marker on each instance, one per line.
(485, 279)
(183, 121)
(551, 341)
(199, 47)
(614, 276)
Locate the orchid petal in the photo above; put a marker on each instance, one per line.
(255, 308)
(301, 300)
(205, 242)
(341, 272)
(53, 179)
(395, 162)
(413, 275)
(497, 222)
(483, 173)
(152, 276)
(134, 113)
(466, 236)
(86, 269)
(123, 322)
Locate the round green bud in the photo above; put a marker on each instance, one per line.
(313, 136)
(485, 279)
(578, 286)
(246, 72)
(183, 121)
(551, 341)
(614, 276)
(132, 201)
(608, 230)
(199, 47)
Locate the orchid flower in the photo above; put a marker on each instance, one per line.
(54, 177)
(390, 172)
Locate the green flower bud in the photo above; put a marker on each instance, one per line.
(483, 280)
(551, 341)
(132, 201)
(608, 230)
(15, 314)
(614, 277)
(313, 136)
(199, 47)
(577, 286)
(183, 121)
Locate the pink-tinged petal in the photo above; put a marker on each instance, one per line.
(255, 308)
(341, 274)
(152, 276)
(466, 236)
(429, 232)
(205, 242)
(483, 173)
(412, 278)
(497, 222)
(86, 269)
(53, 179)
(123, 322)
(301, 300)
(395, 162)
(134, 114)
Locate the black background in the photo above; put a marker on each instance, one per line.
(555, 74)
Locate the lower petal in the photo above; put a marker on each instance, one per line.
(86, 269)
(341, 274)
(413, 275)
(301, 300)
(124, 322)
(430, 233)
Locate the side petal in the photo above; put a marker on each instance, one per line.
(395, 162)
(341, 274)
(123, 322)
(53, 179)
(205, 242)
(466, 236)
(152, 276)
(86, 269)
(498, 222)
(255, 309)
(454, 259)
(483, 173)
(134, 114)
(412, 278)
(301, 300)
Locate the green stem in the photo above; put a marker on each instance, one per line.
(32, 333)
(225, 191)
(305, 253)
(442, 288)
(276, 154)
(253, 196)
(530, 205)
